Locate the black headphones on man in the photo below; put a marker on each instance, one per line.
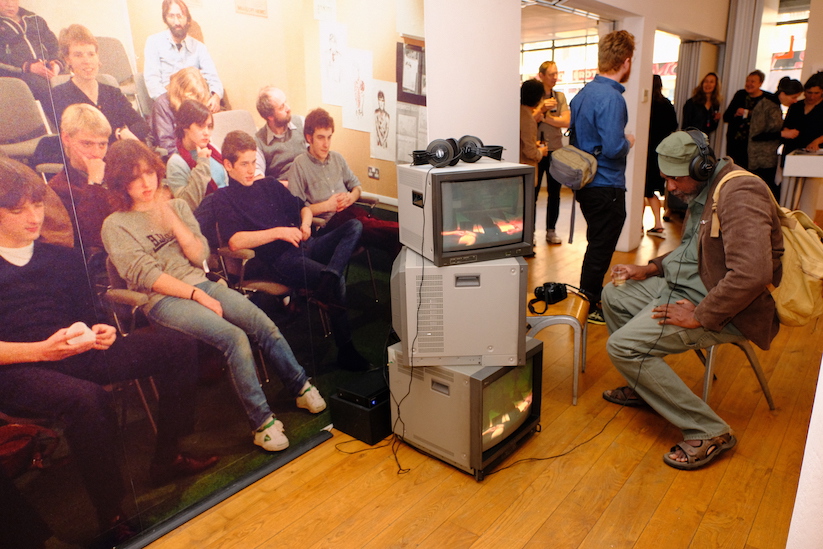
(448, 152)
(704, 162)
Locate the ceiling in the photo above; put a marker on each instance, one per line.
(540, 23)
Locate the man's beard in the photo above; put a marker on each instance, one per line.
(179, 32)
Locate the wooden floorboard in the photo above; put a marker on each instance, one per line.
(610, 490)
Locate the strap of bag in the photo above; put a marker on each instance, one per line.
(715, 228)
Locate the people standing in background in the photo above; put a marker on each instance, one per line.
(599, 118)
(28, 49)
(531, 152)
(662, 122)
(766, 131)
(737, 118)
(171, 50)
(806, 118)
(555, 115)
(702, 110)
(185, 84)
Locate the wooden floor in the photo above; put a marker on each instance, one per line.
(612, 490)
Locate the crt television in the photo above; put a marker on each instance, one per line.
(459, 314)
(471, 417)
(467, 212)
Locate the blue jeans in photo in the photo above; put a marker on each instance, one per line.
(301, 266)
(229, 334)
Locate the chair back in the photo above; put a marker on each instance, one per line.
(113, 59)
(227, 121)
(28, 121)
(144, 100)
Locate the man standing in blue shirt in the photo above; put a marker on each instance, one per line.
(599, 118)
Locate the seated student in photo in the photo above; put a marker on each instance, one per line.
(321, 178)
(28, 49)
(194, 126)
(185, 84)
(263, 215)
(44, 290)
(157, 248)
(85, 200)
(281, 139)
(78, 47)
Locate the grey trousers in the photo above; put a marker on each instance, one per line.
(637, 345)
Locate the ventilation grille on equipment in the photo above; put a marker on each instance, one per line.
(430, 336)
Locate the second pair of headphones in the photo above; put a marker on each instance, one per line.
(448, 152)
(702, 165)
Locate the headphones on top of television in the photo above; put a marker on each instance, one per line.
(703, 163)
(448, 152)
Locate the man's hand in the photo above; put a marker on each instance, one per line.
(544, 149)
(208, 302)
(537, 114)
(105, 336)
(293, 235)
(630, 139)
(344, 200)
(214, 103)
(96, 168)
(635, 272)
(788, 133)
(57, 346)
(41, 69)
(306, 230)
(680, 313)
(126, 133)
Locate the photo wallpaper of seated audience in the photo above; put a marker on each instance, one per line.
(193, 252)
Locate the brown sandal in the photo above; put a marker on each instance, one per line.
(699, 456)
(624, 396)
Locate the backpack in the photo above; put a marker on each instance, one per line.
(799, 298)
(572, 167)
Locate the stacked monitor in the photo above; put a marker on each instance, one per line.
(458, 306)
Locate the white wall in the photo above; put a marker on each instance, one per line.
(472, 71)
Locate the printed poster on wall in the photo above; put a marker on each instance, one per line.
(383, 106)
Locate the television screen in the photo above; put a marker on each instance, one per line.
(468, 212)
(507, 403)
(481, 214)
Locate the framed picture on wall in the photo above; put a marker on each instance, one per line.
(411, 74)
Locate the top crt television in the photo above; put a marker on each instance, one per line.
(467, 212)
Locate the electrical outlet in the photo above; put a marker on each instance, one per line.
(374, 173)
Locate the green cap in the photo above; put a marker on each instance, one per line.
(675, 153)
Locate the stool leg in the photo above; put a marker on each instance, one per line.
(746, 347)
(585, 344)
(578, 337)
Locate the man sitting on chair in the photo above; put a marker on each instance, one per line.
(710, 290)
(321, 178)
(262, 215)
(45, 372)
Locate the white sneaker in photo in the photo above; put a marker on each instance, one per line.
(271, 437)
(311, 400)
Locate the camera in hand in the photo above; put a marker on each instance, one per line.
(551, 292)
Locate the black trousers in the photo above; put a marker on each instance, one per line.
(553, 188)
(604, 209)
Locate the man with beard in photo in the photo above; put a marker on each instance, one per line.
(171, 50)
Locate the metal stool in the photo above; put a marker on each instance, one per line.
(572, 311)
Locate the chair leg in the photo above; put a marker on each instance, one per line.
(746, 347)
(708, 362)
(578, 337)
(371, 274)
(145, 404)
(265, 376)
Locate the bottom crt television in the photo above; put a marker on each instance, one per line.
(471, 417)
